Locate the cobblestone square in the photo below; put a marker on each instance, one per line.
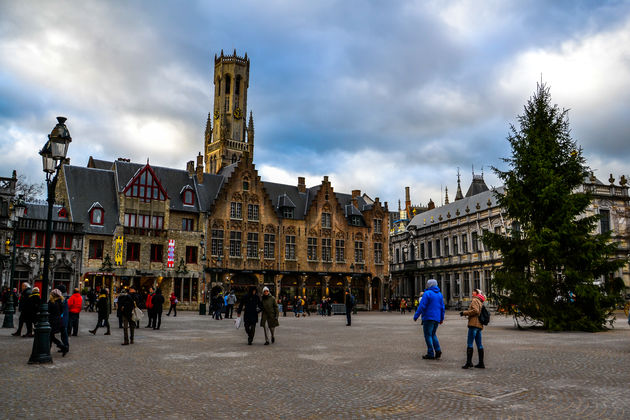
(195, 367)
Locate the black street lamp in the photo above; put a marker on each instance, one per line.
(53, 156)
(19, 207)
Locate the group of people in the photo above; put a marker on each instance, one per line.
(220, 304)
(431, 310)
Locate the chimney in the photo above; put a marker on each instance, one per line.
(325, 178)
(356, 193)
(301, 184)
(190, 167)
(200, 168)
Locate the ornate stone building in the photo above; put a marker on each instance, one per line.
(445, 243)
(218, 226)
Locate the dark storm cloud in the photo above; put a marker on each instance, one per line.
(339, 88)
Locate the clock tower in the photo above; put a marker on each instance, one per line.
(228, 135)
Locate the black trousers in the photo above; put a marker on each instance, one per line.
(73, 324)
(349, 316)
(250, 329)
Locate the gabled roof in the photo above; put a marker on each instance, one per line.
(86, 186)
(450, 211)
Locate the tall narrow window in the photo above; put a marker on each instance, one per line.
(326, 249)
(228, 80)
(429, 249)
(340, 250)
(95, 251)
(252, 212)
(270, 245)
(604, 217)
(474, 241)
(96, 216)
(252, 245)
(312, 249)
(216, 248)
(289, 248)
(378, 225)
(464, 243)
(23, 239)
(378, 253)
(422, 250)
(466, 284)
(133, 251)
(437, 248)
(446, 254)
(358, 251)
(326, 220)
(235, 243)
(188, 197)
(236, 210)
(191, 255)
(476, 280)
(455, 250)
(237, 85)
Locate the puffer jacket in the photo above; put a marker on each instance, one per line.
(269, 312)
(431, 305)
(473, 312)
(75, 303)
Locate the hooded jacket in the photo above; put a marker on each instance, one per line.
(474, 310)
(431, 306)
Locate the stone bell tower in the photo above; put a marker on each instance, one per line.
(231, 137)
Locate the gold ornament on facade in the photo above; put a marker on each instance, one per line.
(216, 115)
(238, 114)
(448, 215)
(478, 206)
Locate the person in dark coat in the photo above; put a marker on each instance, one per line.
(269, 315)
(150, 311)
(126, 305)
(158, 306)
(31, 308)
(55, 309)
(102, 307)
(349, 305)
(252, 305)
(26, 292)
(65, 314)
(135, 297)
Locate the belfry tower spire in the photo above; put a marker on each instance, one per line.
(226, 143)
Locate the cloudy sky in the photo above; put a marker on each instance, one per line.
(378, 95)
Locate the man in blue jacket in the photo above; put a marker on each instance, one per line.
(431, 307)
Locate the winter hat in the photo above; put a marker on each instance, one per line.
(62, 288)
(35, 289)
(431, 283)
(265, 289)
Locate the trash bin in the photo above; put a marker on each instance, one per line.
(202, 309)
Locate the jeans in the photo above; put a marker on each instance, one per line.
(430, 329)
(474, 334)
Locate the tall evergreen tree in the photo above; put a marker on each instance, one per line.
(552, 258)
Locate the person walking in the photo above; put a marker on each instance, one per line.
(149, 305)
(218, 307)
(75, 304)
(251, 304)
(173, 300)
(269, 315)
(91, 297)
(474, 329)
(126, 305)
(431, 307)
(102, 308)
(24, 294)
(158, 305)
(65, 314)
(231, 301)
(403, 306)
(55, 309)
(31, 308)
(349, 301)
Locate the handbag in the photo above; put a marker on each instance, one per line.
(136, 314)
(237, 323)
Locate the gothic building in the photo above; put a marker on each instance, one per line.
(218, 226)
(445, 242)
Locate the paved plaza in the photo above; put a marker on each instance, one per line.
(196, 367)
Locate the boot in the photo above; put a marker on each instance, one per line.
(108, 332)
(93, 332)
(480, 365)
(469, 354)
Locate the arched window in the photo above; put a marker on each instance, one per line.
(96, 214)
(227, 84)
(237, 85)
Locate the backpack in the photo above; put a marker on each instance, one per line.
(484, 316)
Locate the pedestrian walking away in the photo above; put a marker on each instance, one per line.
(158, 305)
(126, 305)
(31, 308)
(269, 315)
(75, 304)
(231, 301)
(173, 300)
(24, 316)
(218, 307)
(55, 309)
(431, 308)
(102, 307)
(249, 307)
(91, 297)
(350, 303)
(65, 315)
(474, 329)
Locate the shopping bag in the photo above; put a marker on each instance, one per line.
(237, 323)
(137, 314)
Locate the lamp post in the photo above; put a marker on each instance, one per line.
(53, 156)
(18, 211)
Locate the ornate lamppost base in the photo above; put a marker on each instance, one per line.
(41, 342)
(8, 313)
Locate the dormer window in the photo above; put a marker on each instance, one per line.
(62, 213)
(355, 220)
(287, 212)
(96, 214)
(188, 196)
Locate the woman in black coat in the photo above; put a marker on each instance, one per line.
(55, 309)
(158, 305)
(102, 307)
(252, 305)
